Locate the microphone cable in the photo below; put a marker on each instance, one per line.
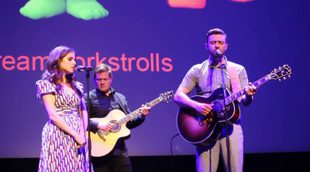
(171, 151)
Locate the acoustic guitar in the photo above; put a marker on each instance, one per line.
(103, 142)
(196, 128)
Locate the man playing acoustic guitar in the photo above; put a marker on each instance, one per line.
(105, 102)
(207, 78)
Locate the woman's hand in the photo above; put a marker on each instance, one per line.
(80, 139)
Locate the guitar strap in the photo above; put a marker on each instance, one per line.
(234, 79)
(120, 104)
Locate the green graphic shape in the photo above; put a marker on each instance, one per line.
(37, 9)
(81, 9)
(86, 9)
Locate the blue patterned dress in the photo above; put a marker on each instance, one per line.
(59, 151)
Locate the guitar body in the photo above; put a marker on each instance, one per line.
(205, 130)
(103, 143)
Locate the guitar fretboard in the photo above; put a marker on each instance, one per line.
(235, 96)
(137, 112)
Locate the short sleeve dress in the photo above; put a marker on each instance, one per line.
(59, 151)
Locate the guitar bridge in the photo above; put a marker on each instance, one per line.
(101, 134)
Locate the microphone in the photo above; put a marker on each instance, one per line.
(218, 53)
(84, 68)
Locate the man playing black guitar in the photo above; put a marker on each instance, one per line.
(208, 78)
(103, 100)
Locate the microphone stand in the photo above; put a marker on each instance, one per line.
(219, 59)
(88, 109)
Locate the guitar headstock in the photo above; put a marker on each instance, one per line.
(166, 96)
(282, 72)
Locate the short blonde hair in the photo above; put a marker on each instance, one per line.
(103, 68)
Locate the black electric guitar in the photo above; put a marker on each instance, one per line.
(205, 130)
(103, 142)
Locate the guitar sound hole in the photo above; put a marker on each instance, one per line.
(202, 123)
(115, 126)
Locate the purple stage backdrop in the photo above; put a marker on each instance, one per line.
(150, 46)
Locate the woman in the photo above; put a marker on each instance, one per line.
(63, 136)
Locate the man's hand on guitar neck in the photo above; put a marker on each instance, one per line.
(250, 89)
(145, 109)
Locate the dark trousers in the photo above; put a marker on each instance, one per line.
(112, 163)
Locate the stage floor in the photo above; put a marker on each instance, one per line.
(264, 162)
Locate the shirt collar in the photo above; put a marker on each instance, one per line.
(111, 92)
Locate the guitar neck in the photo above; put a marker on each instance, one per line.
(137, 112)
(257, 83)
